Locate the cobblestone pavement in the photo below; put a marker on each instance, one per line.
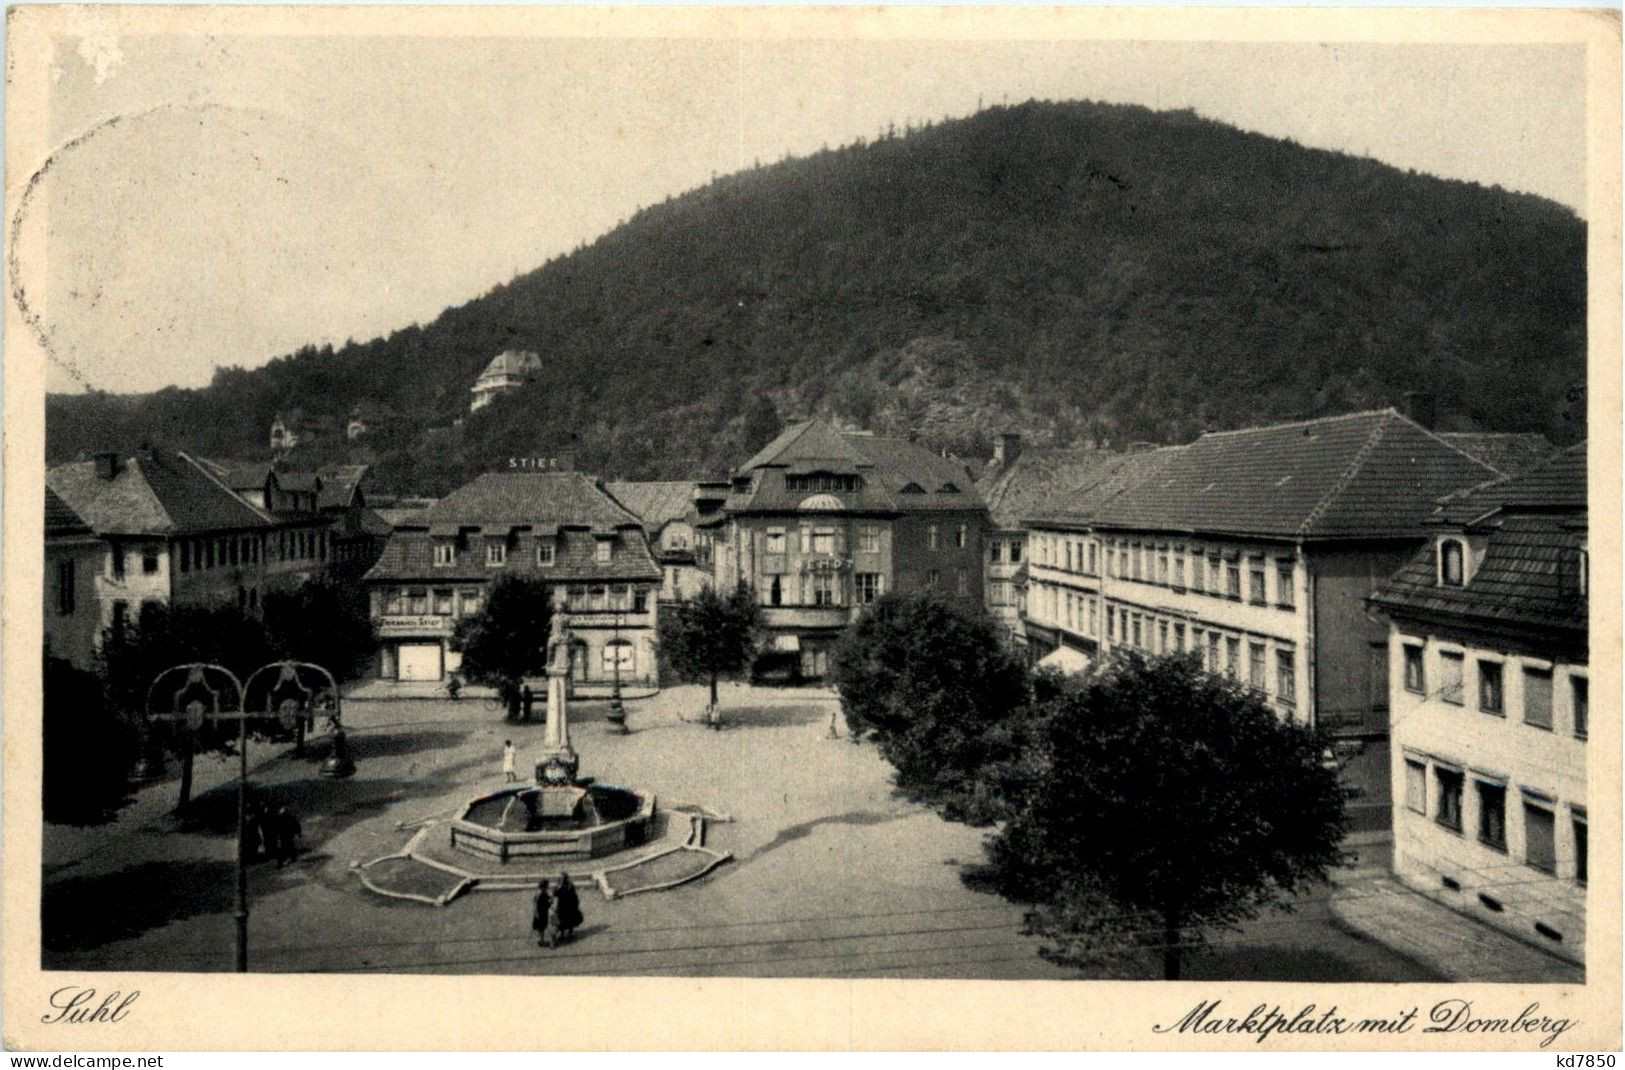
(833, 876)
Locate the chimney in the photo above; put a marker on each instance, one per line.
(107, 465)
(1007, 449)
(1420, 407)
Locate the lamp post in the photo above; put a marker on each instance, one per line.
(195, 703)
(617, 710)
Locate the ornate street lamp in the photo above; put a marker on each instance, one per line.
(617, 710)
(193, 704)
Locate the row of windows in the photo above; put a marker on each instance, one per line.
(934, 539)
(466, 601)
(821, 589)
(1489, 678)
(1220, 652)
(828, 541)
(1221, 573)
(933, 579)
(1006, 593)
(1001, 550)
(1077, 613)
(496, 552)
(1489, 821)
(201, 554)
(822, 481)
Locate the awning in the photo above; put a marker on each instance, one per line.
(1066, 659)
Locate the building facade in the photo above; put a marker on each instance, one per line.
(508, 370)
(1020, 482)
(822, 522)
(1256, 550)
(678, 517)
(160, 528)
(1490, 706)
(561, 528)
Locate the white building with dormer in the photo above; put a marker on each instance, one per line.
(508, 370)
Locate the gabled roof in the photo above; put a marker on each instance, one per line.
(1530, 576)
(1039, 476)
(499, 502)
(155, 492)
(60, 519)
(656, 504)
(1367, 475)
(1557, 484)
(895, 475)
(339, 484)
(1509, 452)
(409, 555)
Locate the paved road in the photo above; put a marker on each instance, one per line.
(833, 876)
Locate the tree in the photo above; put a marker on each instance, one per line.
(711, 635)
(507, 640)
(934, 686)
(1154, 802)
(88, 748)
(762, 423)
(163, 636)
(324, 623)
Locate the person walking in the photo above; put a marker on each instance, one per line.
(540, 915)
(287, 836)
(569, 906)
(507, 761)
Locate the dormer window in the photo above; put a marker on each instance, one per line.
(445, 552)
(602, 551)
(496, 553)
(947, 488)
(544, 553)
(912, 488)
(1452, 563)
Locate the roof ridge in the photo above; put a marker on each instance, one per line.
(256, 510)
(1299, 423)
(1434, 435)
(1340, 484)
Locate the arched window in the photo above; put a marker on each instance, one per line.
(1452, 563)
(622, 654)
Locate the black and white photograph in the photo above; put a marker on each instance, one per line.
(631, 496)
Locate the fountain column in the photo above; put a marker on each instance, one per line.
(559, 762)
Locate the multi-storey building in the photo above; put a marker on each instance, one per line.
(161, 528)
(1256, 550)
(677, 516)
(1017, 484)
(1065, 614)
(508, 370)
(1490, 704)
(822, 522)
(558, 527)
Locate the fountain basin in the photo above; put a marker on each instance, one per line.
(566, 821)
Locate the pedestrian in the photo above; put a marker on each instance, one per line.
(542, 911)
(287, 836)
(507, 760)
(252, 841)
(569, 906)
(265, 828)
(527, 699)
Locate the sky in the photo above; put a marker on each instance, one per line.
(223, 200)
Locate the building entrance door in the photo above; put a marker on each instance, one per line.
(420, 661)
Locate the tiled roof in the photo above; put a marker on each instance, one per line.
(402, 516)
(1369, 475)
(1557, 484)
(512, 362)
(60, 519)
(154, 493)
(1122, 472)
(339, 484)
(895, 475)
(542, 501)
(1037, 477)
(656, 504)
(1508, 452)
(1530, 575)
(409, 555)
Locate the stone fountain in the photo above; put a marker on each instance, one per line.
(562, 815)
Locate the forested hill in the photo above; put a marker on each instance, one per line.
(1077, 271)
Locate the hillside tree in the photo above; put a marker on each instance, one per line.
(88, 748)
